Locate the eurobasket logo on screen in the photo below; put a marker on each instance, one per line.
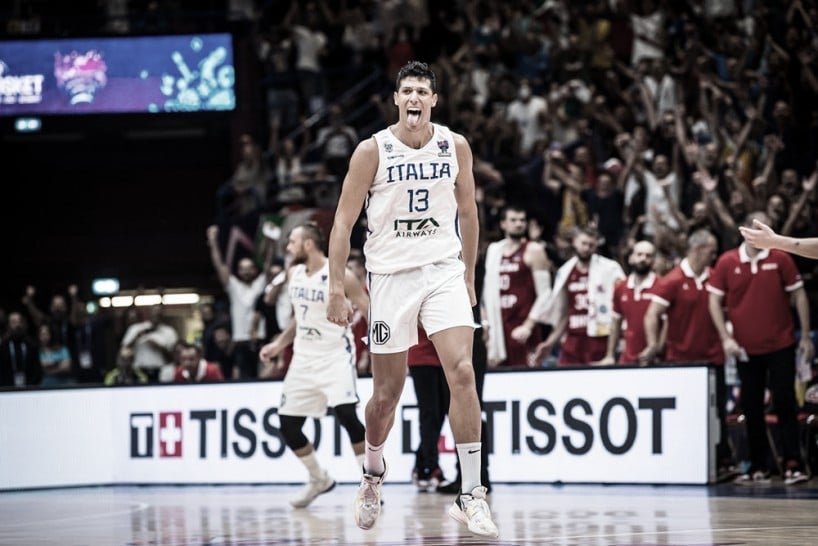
(20, 88)
(113, 75)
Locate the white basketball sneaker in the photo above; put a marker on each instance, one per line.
(313, 488)
(472, 510)
(368, 500)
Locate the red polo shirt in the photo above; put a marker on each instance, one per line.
(424, 353)
(757, 297)
(630, 303)
(691, 335)
(206, 372)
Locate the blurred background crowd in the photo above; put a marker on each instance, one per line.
(646, 119)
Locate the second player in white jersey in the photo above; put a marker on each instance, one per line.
(314, 334)
(411, 208)
(322, 372)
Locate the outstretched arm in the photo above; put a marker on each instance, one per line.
(362, 168)
(467, 211)
(37, 316)
(222, 270)
(762, 236)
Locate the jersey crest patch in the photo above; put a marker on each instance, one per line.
(444, 148)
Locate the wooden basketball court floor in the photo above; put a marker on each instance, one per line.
(530, 514)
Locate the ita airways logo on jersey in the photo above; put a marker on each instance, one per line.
(443, 145)
(415, 227)
(143, 432)
(380, 333)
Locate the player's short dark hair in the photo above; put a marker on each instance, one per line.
(417, 69)
(313, 232)
(512, 207)
(588, 229)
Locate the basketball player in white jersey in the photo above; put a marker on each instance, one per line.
(415, 179)
(323, 370)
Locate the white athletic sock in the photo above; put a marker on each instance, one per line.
(373, 459)
(311, 462)
(360, 459)
(469, 466)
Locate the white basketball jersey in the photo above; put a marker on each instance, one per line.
(411, 210)
(314, 334)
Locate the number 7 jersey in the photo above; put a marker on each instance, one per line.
(315, 336)
(411, 210)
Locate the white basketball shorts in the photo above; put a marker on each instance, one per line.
(433, 295)
(313, 384)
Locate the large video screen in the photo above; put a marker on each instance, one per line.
(146, 74)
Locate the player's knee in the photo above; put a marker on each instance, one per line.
(383, 402)
(291, 430)
(461, 377)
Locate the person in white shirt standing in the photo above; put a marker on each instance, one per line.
(528, 111)
(242, 290)
(152, 342)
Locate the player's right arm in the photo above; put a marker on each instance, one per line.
(356, 293)
(653, 318)
(281, 342)
(762, 236)
(362, 168)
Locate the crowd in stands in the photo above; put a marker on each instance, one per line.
(624, 120)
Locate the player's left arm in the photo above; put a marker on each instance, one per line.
(467, 210)
(356, 294)
(801, 300)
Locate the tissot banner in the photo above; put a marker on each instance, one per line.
(610, 425)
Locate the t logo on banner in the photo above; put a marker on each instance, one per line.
(142, 434)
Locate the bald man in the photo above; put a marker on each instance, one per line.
(632, 296)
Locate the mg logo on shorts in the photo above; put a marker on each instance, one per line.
(380, 332)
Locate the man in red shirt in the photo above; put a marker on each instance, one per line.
(632, 296)
(517, 272)
(756, 287)
(691, 334)
(580, 304)
(194, 369)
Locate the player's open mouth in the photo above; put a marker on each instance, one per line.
(413, 116)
